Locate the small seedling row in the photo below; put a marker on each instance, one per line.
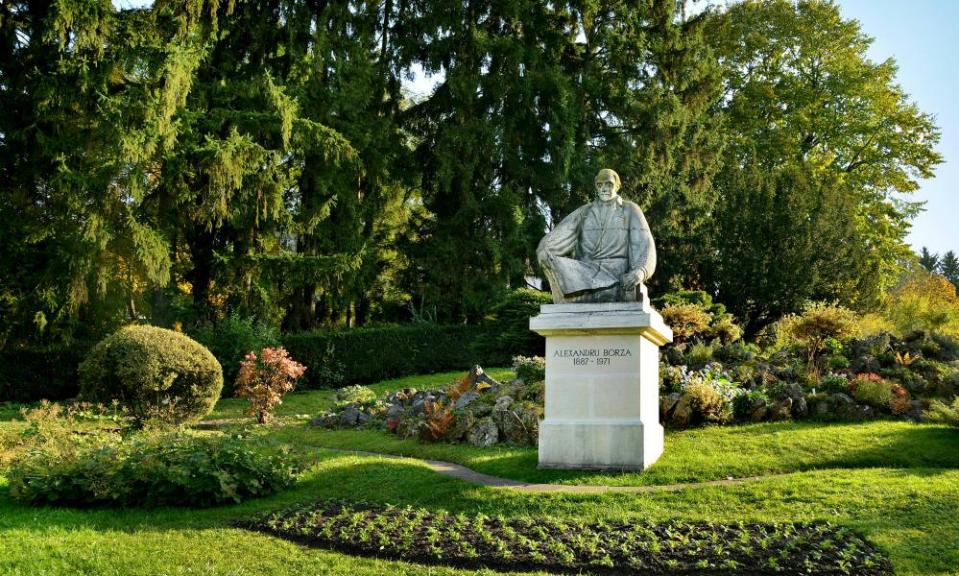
(570, 546)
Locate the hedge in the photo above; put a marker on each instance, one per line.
(41, 372)
(333, 358)
(363, 355)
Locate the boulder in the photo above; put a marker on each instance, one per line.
(502, 403)
(395, 409)
(326, 420)
(481, 409)
(349, 416)
(517, 424)
(466, 399)
(781, 409)
(464, 421)
(759, 411)
(484, 433)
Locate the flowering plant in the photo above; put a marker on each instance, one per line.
(265, 379)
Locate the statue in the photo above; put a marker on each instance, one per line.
(602, 252)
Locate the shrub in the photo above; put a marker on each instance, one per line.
(150, 469)
(157, 374)
(506, 329)
(833, 383)
(924, 301)
(698, 317)
(736, 353)
(874, 392)
(231, 338)
(711, 393)
(687, 321)
(530, 369)
(944, 413)
(371, 354)
(264, 380)
(354, 394)
(816, 327)
(699, 353)
(900, 403)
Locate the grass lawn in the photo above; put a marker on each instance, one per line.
(895, 483)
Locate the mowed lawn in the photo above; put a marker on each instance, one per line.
(895, 483)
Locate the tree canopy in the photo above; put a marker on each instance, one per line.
(196, 158)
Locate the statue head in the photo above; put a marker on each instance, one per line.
(607, 185)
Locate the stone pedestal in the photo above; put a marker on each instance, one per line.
(602, 385)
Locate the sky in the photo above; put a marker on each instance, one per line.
(923, 37)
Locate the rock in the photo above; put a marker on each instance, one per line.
(395, 409)
(671, 401)
(518, 425)
(419, 402)
(916, 408)
(481, 409)
(363, 419)
(484, 433)
(502, 403)
(349, 416)
(759, 411)
(683, 412)
(781, 410)
(326, 420)
(464, 421)
(481, 381)
(466, 399)
(845, 408)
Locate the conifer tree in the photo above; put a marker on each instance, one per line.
(949, 267)
(929, 260)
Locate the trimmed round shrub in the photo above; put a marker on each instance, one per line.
(157, 374)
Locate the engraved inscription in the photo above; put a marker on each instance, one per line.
(592, 356)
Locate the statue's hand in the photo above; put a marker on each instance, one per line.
(632, 279)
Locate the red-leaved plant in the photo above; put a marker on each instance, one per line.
(264, 380)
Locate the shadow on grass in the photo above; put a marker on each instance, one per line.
(909, 513)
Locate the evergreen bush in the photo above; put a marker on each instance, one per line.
(157, 374)
(944, 413)
(507, 331)
(371, 354)
(231, 338)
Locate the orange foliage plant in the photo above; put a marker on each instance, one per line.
(264, 381)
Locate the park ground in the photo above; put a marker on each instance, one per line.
(895, 483)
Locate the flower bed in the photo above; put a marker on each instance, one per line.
(570, 546)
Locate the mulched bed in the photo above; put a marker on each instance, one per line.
(568, 546)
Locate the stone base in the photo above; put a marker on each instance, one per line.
(613, 445)
(602, 385)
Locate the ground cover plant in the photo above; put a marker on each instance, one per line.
(623, 547)
(149, 469)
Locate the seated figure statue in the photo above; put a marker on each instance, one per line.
(602, 252)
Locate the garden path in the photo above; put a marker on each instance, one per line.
(463, 473)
